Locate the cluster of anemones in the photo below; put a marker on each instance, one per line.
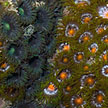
(96, 100)
(87, 80)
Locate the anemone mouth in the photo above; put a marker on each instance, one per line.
(33, 62)
(33, 41)
(8, 29)
(21, 11)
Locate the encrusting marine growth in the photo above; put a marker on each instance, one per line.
(27, 41)
(79, 72)
(53, 54)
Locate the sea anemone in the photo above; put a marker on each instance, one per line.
(28, 31)
(82, 2)
(17, 78)
(26, 11)
(15, 52)
(35, 66)
(86, 18)
(98, 99)
(51, 89)
(36, 43)
(78, 57)
(8, 29)
(86, 36)
(44, 19)
(63, 75)
(77, 101)
(4, 66)
(71, 30)
(101, 28)
(104, 70)
(103, 12)
(32, 87)
(105, 39)
(93, 48)
(64, 47)
(88, 80)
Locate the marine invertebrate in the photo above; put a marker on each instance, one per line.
(98, 99)
(88, 80)
(4, 66)
(103, 12)
(63, 75)
(17, 78)
(26, 11)
(64, 47)
(29, 30)
(105, 39)
(8, 29)
(51, 89)
(86, 18)
(15, 52)
(36, 43)
(25, 49)
(93, 48)
(86, 36)
(44, 19)
(82, 2)
(77, 101)
(34, 66)
(100, 29)
(81, 48)
(105, 70)
(71, 30)
(78, 57)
